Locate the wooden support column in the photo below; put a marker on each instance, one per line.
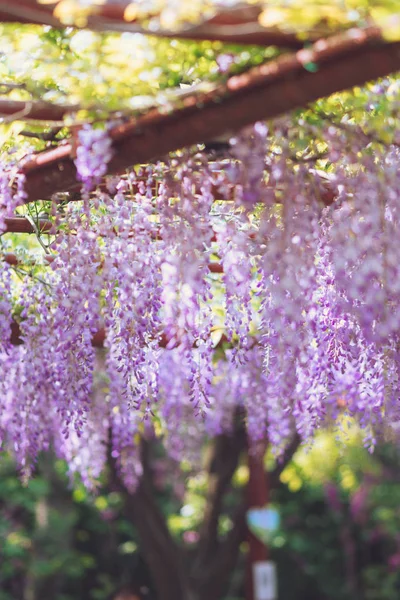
(257, 497)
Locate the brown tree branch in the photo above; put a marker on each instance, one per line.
(213, 581)
(262, 93)
(49, 136)
(162, 555)
(222, 465)
(274, 476)
(214, 576)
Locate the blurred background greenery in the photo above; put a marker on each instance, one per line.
(339, 536)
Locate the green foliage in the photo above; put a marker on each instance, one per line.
(340, 519)
(326, 17)
(59, 543)
(109, 72)
(338, 538)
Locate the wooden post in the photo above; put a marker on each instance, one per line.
(257, 497)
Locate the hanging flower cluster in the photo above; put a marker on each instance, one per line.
(11, 192)
(92, 155)
(255, 288)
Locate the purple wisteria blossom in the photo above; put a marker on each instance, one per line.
(218, 292)
(12, 192)
(92, 155)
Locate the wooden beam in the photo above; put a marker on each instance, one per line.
(262, 93)
(235, 25)
(35, 110)
(23, 225)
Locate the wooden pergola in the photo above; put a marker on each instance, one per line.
(280, 85)
(347, 59)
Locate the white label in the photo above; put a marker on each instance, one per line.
(264, 580)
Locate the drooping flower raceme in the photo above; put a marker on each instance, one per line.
(218, 292)
(12, 192)
(92, 155)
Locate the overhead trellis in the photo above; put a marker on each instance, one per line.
(239, 25)
(264, 92)
(248, 281)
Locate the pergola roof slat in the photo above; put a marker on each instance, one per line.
(237, 25)
(35, 110)
(264, 92)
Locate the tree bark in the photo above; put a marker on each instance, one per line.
(163, 557)
(206, 576)
(222, 466)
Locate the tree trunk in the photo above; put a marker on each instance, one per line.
(164, 559)
(206, 574)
